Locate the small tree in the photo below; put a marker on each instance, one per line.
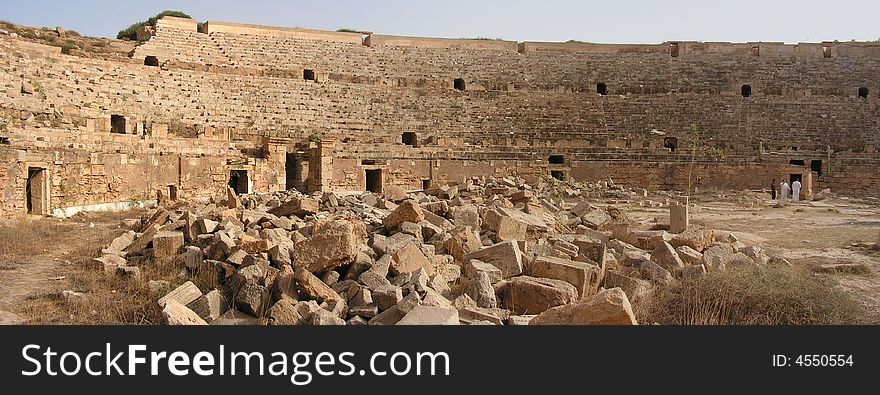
(130, 33)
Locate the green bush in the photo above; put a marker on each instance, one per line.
(130, 33)
(347, 30)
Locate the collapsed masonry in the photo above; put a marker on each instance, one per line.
(487, 251)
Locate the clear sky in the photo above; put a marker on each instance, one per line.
(607, 21)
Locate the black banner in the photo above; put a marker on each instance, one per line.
(437, 359)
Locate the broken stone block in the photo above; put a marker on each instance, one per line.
(475, 266)
(184, 294)
(467, 215)
(333, 244)
(654, 272)
(408, 211)
(596, 219)
(232, 200)
(176, 313)
(210, 306)
(205, 225)
(365, 311)
(192, 257)
(387, 317)
(696, 237)
(531, 295)
(313, 287)
(409, 259)
(284, 312)
(298, 206)
(463, 241)
(689, 256)
(144, 239)
(122, 242)
(409, 302)
(480, 290)
(166, 244)
(505, 256)
(583, 276)
(387, 296)
(324, 317)
(608, 307)
(356, 320)
(253, 299)
(666, 256)
(427, 315)
(131, 273)
(636, 289)
(510, 229)
(413, 230)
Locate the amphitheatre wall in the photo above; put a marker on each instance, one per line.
(266, 108)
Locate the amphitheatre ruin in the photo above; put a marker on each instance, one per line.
(228, 114)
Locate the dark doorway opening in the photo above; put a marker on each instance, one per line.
(863, 92)
(556, 160)
(795, 177)
(117, 124)
(671, 143)
(35, 191)
(426, 184)
(374, 180)
(673, 50)
(238, 181)
(558, 174)
(151, 61)
(816, 165)
(294, 173)
(309, 75)
(459, 84)
(409, 138)
(746, 90)
(797, 162)
(172, 192)
(602, 88)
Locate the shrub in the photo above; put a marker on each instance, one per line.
(131, 31)
(775, 295)
(347, 30)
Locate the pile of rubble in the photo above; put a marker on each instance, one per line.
(488, 251)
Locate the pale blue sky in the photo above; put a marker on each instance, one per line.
(608, 21)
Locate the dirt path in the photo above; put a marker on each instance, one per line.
(39, 269)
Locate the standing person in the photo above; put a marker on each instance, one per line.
(784, 189)
(773, 189)
(796, 191)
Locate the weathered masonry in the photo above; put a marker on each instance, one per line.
(262, 109)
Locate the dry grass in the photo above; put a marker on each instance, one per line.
(106, 299)
(28, 237)
(775, 295)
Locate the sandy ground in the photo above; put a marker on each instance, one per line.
(811, 233)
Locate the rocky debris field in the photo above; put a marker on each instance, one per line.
(491, 251)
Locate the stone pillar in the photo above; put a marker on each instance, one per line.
(321, 166)
(678, 218)
(807, 186)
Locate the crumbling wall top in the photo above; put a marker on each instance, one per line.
(427, 42)
(178, 23)
(284, 32)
